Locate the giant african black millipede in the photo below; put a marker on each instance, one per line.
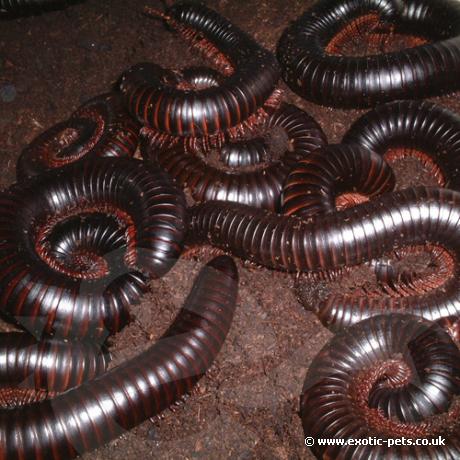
(350, 237)
(390, 376)
(95, 412)
(249, 77)
(315, 72)
(77, 244)
(101, 127)
(260, 186)
(422, 129)
(31, 369)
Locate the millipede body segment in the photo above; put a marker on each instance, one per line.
(100, 410)
(78, 244)
(99, 128)
(315, 184)
(155, 96)
(244, 152)
(390, 376)
(316, 73)
(31, 369)
(259, 186)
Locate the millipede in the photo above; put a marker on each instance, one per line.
(314, 67)
(389, 376)
(193, 106)
(99, 128)
(102, 409)
(78, 244)
(359, 234)
(419, 129)
(260, 185)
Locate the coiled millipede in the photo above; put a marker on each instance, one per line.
(314, 67)
(78, 244)
(389, 376)
(99, 128)
(177, 105)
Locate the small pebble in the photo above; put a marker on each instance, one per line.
(93, 45)
(152, 434)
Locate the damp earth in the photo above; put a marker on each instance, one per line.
(247, 406)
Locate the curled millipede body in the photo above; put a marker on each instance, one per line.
(386, 377)
(425, 130)
(78, 244)
(260, 186)
(249, 78)
(311, 67)
(315, 184)
(101, 127)
(97, 411)
(350, 237)
(31, 369)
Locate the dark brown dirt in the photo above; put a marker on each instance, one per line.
(247, 406)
